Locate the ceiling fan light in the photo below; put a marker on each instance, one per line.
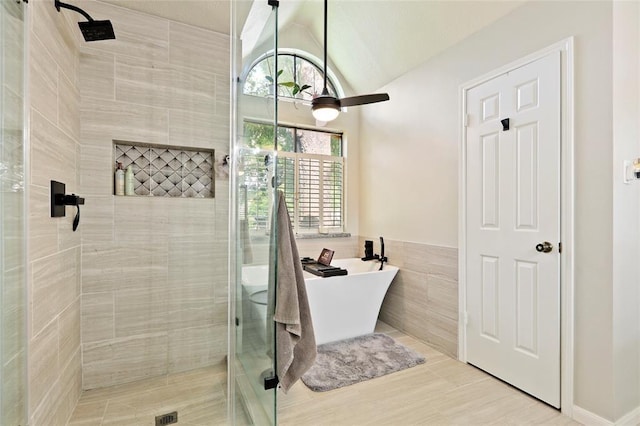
(325, 112)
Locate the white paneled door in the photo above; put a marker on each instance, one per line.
(513, 228)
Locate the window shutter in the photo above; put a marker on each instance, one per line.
(308, 193)
(332, 196)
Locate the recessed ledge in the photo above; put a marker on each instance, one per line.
(316, 236)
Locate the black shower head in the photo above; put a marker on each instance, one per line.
(97, 30)
(91, 30)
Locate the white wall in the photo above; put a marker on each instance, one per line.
(626, 210)
(412, 155)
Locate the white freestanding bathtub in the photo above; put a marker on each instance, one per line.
(341, 307)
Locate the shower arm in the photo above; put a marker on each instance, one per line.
(59, 4)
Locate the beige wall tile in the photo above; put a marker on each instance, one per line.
(67, 237)
(97, 219)
(71, 384)
(97, 317)
(68, 105)
(43, 230)
(192, 260)
(54, 32)
(57, 406)
(140, 219)
(108, 266)
(97, 75)
(43, 364)
(190, 305)
(141, 311)
(192, 129)
(97, 170)
(69, 330)
(195, 90)
(53, 154)
(143, 82)
(53, 287)
(196, 347)
(442, 296)
(102, 119)
(124, 360)
(423, 298)
(188, 42)
(442, 333)
(415, 257)
(191, 217)
(43, 81)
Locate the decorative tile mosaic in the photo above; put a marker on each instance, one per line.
(168, 171)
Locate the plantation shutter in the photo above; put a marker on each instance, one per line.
(319, 199)
(332, 197)
(308, 194)
(309, 169)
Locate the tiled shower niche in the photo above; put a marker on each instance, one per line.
(168, 171)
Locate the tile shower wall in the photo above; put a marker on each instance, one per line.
(54, 249)
(154, 269)
(423, 298)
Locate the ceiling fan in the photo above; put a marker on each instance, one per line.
(326, 107)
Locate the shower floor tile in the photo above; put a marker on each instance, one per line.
(199, 397)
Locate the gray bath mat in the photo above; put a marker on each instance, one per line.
(354, 360)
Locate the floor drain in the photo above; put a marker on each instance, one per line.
(167, 419)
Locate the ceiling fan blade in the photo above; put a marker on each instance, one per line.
(364, 99)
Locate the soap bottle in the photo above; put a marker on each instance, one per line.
(128, 181)
(119, 185)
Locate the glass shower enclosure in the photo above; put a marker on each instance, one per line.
(252, 242)
(12, 214)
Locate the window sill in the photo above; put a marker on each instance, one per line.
(316, 236)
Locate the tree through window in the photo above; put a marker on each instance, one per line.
(294, 72)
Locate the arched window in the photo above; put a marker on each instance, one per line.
(298, 77)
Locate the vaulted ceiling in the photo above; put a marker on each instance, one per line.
(371, 42)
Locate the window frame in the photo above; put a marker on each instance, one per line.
(322, 159)
(332, 81)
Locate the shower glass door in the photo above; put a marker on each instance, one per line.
(252, 234)
(12, 199)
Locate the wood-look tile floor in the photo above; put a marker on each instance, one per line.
(442, 391)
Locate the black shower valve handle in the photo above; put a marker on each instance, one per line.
(68, 200)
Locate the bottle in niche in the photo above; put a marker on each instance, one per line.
(119, 183)
(128, 181)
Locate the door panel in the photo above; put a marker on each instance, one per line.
(513, 204)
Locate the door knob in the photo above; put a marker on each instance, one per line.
(544, 247)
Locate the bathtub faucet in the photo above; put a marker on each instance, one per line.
(382, 256)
